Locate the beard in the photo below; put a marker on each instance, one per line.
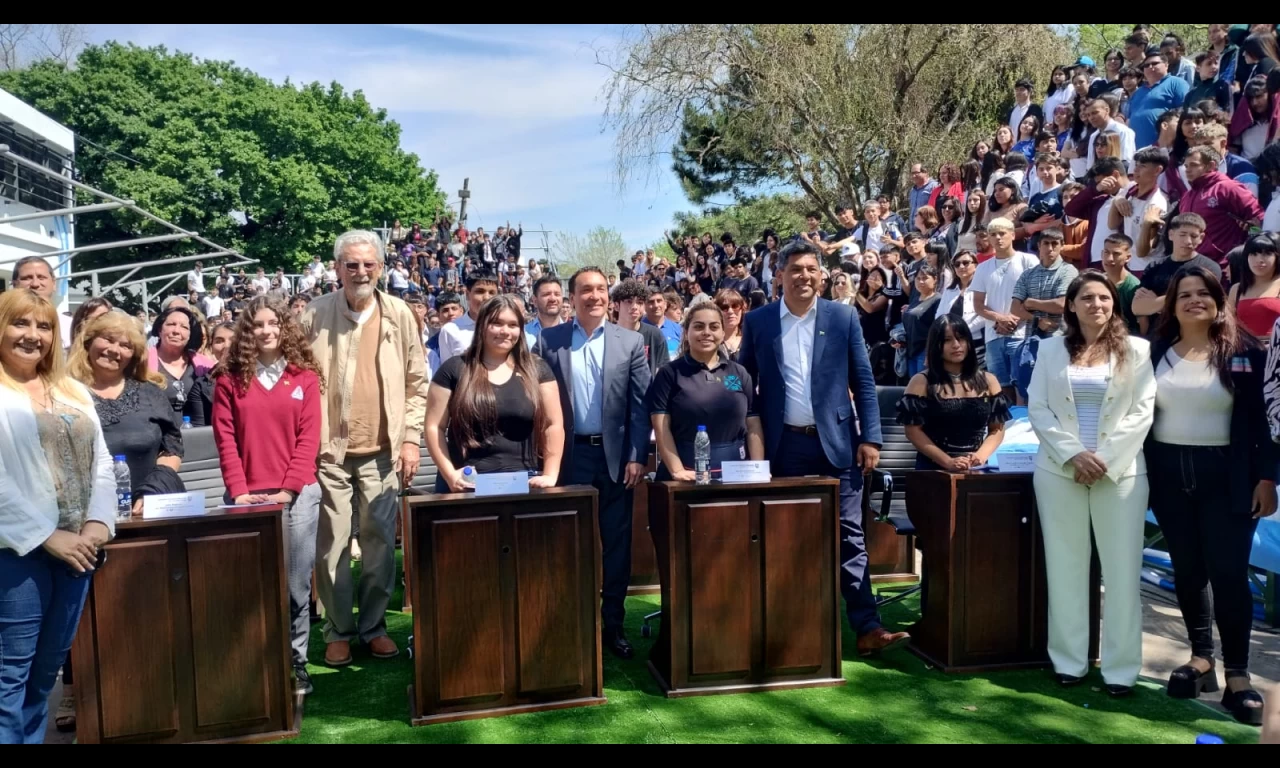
(362, 290)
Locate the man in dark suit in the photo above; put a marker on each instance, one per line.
(806, 355)
(603, 376)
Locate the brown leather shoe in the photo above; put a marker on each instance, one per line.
(879, 640)
(337, 654)
(383, 648)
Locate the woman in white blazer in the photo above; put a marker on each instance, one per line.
(1091, 403)
(57, 508)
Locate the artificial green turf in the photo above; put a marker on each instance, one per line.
(891, 700)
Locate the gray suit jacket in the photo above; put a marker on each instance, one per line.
(626, 380)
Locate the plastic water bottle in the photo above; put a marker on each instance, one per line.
(124, 488)
(186, 423)
(702, 456)
(469, 475)
(1209, 738)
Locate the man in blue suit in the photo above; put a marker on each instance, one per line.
(603, 374)
(806, 355)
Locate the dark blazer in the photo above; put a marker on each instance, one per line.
(840, 364)
(1253, 456)
(626, 380)
(1034, 109)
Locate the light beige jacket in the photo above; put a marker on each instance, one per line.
(400, 358)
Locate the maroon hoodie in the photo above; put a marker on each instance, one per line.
(1226, 207)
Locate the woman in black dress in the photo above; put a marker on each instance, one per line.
(873, 307)
(110, 358)
(954, 412)
(177, 358)
(499, 403)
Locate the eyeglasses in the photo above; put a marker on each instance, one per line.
(353, 266)
(964, 263)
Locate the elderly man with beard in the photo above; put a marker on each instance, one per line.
(371, 362)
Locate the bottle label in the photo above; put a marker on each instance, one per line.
(124, 498)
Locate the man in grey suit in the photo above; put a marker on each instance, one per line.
(603, 376)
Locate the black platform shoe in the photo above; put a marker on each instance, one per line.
(1187, 682)
(1246, 705)
(1068, 681)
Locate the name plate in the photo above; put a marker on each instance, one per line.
(501, 483)
(1016, 462)
(745, 472)
(172, 505)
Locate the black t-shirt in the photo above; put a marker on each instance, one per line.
(1156, 277)
(720, 399)
(510, 449)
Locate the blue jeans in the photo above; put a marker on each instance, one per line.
(1026, 358)
(40, 603)
(1002, 359)
(915, 364)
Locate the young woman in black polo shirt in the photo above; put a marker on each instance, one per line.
(702, 388)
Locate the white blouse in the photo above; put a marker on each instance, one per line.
(28, 502)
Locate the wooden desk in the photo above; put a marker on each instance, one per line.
(185, 634)
(507, 592)
(986, 593)
(750, 585)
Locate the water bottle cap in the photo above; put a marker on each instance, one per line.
(467, 470)
(118, 458)
(186, 419)
(1209, 738)
(702, 428)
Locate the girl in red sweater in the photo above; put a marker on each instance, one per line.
(266, 423)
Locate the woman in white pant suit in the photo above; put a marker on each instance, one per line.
(1091, 403)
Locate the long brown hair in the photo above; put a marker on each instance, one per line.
(242, 360)
(473, 407)
(117, 324)
(1114, 337)
(1226, 336)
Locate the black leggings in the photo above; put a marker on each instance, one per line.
(1208, 544)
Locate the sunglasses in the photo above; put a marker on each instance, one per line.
(353, 266)
(965, 263)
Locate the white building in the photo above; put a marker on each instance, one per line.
(37, 138)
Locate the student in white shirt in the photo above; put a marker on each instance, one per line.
(195, 279)
(992, 286)
(455, 337)
(1128, 210)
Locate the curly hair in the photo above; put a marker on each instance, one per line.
(242, 360)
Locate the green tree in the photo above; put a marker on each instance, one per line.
(1095, 40)
(746, 219)
(195, 142)
(601, 247)
(834, 111)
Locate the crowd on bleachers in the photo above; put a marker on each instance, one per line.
(1108, 257)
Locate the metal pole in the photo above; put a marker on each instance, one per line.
(61, 212)
(159, 262)
(109, 246)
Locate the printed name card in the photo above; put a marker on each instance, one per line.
(1016, 462)
(745, 472)
(172, 505)
(501, 483)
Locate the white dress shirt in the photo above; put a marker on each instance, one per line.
(797, 364)
(269, 375)
(455, 338)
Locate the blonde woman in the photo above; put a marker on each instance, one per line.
(57, 509)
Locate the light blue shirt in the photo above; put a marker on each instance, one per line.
(586, 358)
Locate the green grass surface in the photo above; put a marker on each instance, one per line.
(892, 700)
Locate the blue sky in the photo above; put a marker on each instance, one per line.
(517, 109)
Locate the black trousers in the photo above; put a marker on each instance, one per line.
(1209, 545)
(591, 468)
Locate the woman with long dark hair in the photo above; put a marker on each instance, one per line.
(1217, 464)
(872, 306)
(1091, 399)
(980, 149)
(954, 412)
(1006, 201)
(1059, 91)
(176, 356)
(975, 214)
(948, 230)
(500, 404)
(917, 320)
(1260, 56)
(1173, 182)
(1028, 129)
(266, 424)
(1004, 141)
(1256, 297)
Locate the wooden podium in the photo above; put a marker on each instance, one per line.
(985, 600)
(185, 634)
(507, 598)
(750, 592)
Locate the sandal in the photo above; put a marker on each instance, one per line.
(1187, 682)
(1245, 705)
(65, 718)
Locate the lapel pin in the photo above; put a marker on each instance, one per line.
(822, 333)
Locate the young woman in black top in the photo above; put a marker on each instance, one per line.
(499, 403)
(702, 388)
(954, 412)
